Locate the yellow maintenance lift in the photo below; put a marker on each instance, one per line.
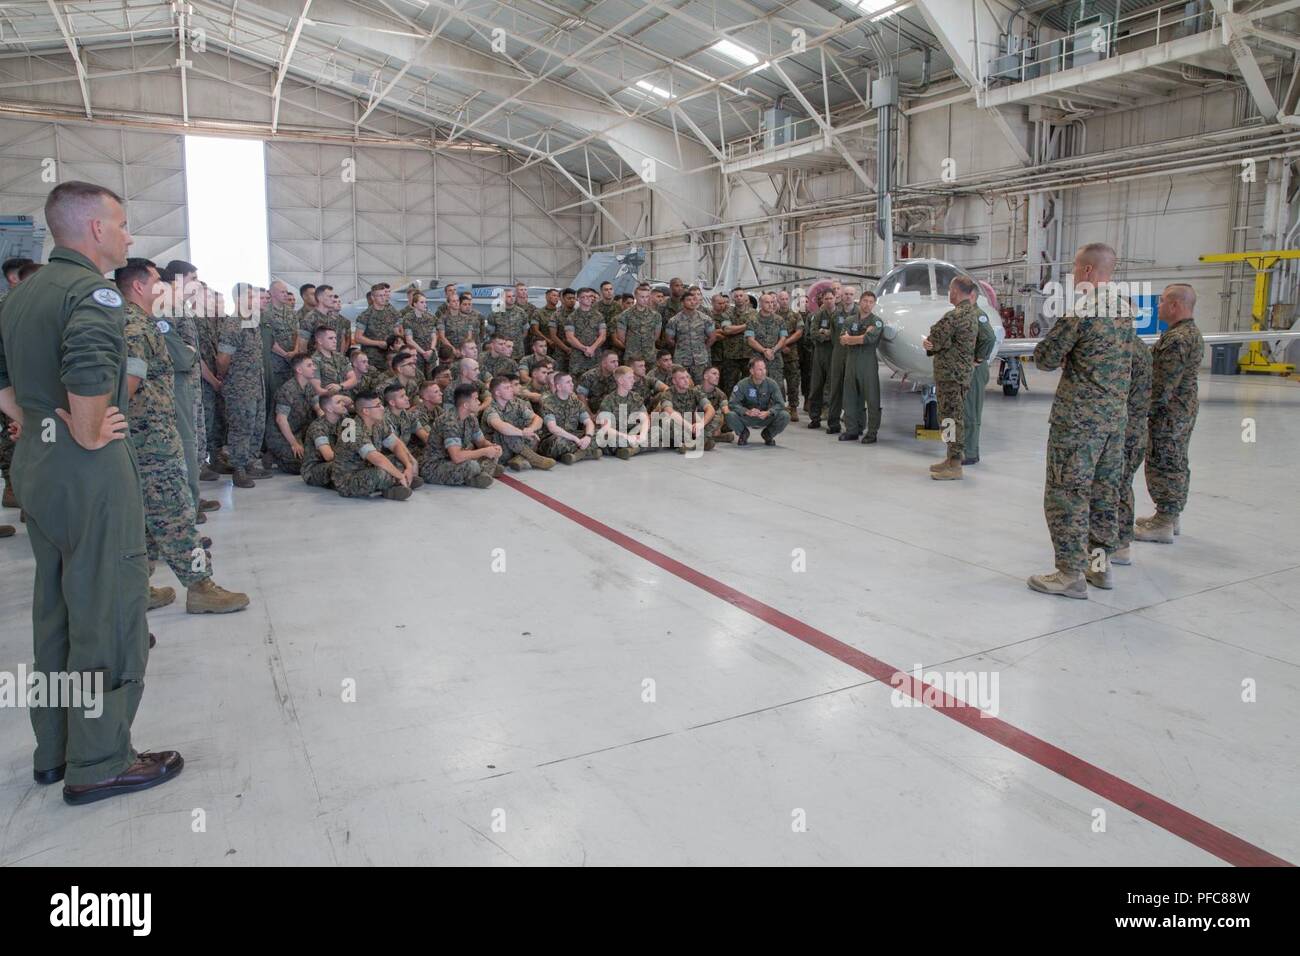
(1262, 262)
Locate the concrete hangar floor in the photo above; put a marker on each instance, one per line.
(650, 680)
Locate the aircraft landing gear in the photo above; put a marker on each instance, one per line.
(1011, 376)
(930, 415)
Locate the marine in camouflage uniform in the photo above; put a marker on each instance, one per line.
(459, 327)
(1135, 441)
(450, 431)
(768, 330)
(1085, 446)
(639, 328)
(378, 324)
(609, 311)
(314, 318)
(1175, 359)
(571, 415)
(588, 328)
(597, 383)
(952, 344)
(279, 327)
(512, 322)
(986, 340)
(736, 352)
(689, 333)
(170, 511)
(422, 329)
(519, 413)
(315, 470)
(214, 412)
(692, 405)
(548, 321)
(494, 365)
(297, 403)
(353, 475)
(243, 390)
(792, 359)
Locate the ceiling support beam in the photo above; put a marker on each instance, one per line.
(76, 57)
(829, 133)
(1234, 29)
(284, 67)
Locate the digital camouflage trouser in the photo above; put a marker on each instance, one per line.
(319, 475)
(169, 517)
(793, 376)
(363, 482)
(1081, 495)
(444, 471)
(1168, 473)
(1135, 449)
(951, 399)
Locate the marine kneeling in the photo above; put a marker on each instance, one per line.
(513, 425)
(757, 402)
(369, 457)
(457, 453)
(624, 424)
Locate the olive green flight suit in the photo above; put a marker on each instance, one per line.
(835, 399)
(183, 360)
(61, 332)
(862, 376)
(985, 341)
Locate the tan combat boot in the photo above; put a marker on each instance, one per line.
(950, 472)
(10, 499)
(1099, 579)
(1158, 528)
(794, 412)
(160, 597)
(1069, 584)
(941, 465)
(627, 451)
(7, 531)
(518, 463)
(205, 597)
(1123, 555)
(540, 462)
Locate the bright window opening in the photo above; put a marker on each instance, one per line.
(225, 189)
(649, 87)
(734, 51)
(871, 6)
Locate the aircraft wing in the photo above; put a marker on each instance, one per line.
(1009, 348)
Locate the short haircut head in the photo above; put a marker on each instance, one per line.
(71, 205)
(14, 264)
(366, 396)
(463, 393)
(1183, 292)
(305, 288)
(30, 269)
(964, 284)
(322, 289)
(135, 270)
(392, 390)
(298, 359)
(1101, 256)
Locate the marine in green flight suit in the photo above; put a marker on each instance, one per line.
(63, 373)
(862, 372)
(986, 342)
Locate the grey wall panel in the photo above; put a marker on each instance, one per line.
(147, 169)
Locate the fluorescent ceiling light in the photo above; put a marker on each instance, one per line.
(651, 88)
(735, 51)
(874, 6)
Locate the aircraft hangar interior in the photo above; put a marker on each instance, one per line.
(649, 432)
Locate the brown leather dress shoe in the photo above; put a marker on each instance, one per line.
(149, 770)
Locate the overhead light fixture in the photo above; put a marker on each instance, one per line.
(734, 51)
(649, 87)
(889, 7)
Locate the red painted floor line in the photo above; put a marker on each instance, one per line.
(1179, 822)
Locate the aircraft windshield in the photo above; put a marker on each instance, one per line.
(914, 277)
(943, 276)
